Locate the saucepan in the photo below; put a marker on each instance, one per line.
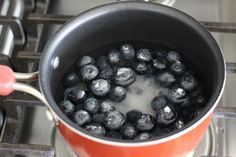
(114, 23)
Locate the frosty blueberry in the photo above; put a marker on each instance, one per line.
(129, 131)
(143, 136)
(91, 105)
(107, 106)
(159, 63)
(95, 128)
(100, 87)
(114, 120)
(158, 102)
(144, 55)
(71, 79)
(118, 94)
(166, 78)
(127, 51)
(84, 60)
(188, 82)
(166, 115)
(88, 72)
(67, 107)
(141, 67)
(75, 94)
(146, 122)
(173, 56)
(125, 76)
(107, 73)
(114, 56)
(81, 117)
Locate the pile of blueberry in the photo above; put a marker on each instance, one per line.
(94, 85)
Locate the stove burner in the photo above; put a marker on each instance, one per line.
(206, 147)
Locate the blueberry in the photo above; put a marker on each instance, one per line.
(140, 67)
(67, 107)
(102, 63)
(84, 60)
(158, 102)
(88, 72)
(107, 106)
(166, 78)
(81, 117)
(95, 128)
(133, 116)
(114, 134)
(100, 87)
(129, 131)
(163, 91)
(186, 102)
(196, 112)
(75, 94)
(127, 51)
(144, 55)
(196, 92)
(125, 76)
(177, 95)
(146, 122)
(159, 63)
(159, 53)
(188, 82)
(118, 94)
(179, 124)
(159, 131)
(199, 101)
(166, 115)
(71, 79)
(98, 118)
(91, 105)
(107, 74)
(114, 57)
(173, 56)
(143, 136)
(188, 113)
(177, 68)
(114, 120)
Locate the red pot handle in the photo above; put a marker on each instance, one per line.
(8, 83)
(7, 79)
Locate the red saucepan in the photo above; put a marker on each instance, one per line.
(133, 22)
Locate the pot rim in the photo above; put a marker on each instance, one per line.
(76, 129)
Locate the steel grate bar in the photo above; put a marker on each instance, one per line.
(225, 112)
(16, 26)
(26, 150)
(60, 19)
(29, 56)
(48, 18)
(220, 27)
(231, 67)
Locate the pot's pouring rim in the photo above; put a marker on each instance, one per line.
(71, 24)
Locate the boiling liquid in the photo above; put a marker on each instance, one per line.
(140, 95)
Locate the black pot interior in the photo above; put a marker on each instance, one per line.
(141, 24)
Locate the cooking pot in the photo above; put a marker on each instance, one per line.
(137, 23)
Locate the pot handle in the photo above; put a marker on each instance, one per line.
(8, 83)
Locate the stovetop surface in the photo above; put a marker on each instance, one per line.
(37, 129)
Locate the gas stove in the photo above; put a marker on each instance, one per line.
(25, 28)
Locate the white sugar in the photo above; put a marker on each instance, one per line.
(140, 95)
